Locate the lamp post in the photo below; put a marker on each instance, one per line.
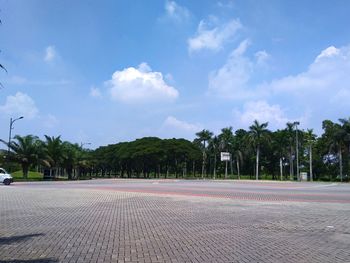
(296, 123)
(84, 143)
(11, 123)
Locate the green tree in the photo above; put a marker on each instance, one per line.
(310, 139)
(290, 134)
(203, 137)
(25, 151)
(213, 147)
(256, 135)
(54, 151)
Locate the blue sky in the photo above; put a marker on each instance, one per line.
(110, 71)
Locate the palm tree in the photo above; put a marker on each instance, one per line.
(337, 144)
(238, 155)
(226, 143)
(290, 132)
(54, 152)
(25, 151)
(256, 135)
(70, 157)
(346, 127)
(280, 140)
(310, 140)
(203, 137)
(214, 148)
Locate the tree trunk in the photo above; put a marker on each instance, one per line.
(238, 172)
(193, 169)
(214, 167)
(25, 168)
(257, 162)
(281, 169)
(340, 164)
(291, 170)
(310, 156)
(203, 164)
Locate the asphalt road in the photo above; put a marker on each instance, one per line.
(114, 220)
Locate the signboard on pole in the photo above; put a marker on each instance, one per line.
(225, 156)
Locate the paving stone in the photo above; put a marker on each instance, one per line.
(84, 222)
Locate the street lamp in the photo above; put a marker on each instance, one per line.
(84, 143)
(11, 123)
(296, 123)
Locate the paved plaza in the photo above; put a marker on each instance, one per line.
(116, 220)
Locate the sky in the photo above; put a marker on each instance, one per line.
(102, 72)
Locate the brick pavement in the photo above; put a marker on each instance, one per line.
(42, 224)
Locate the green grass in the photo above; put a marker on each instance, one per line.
(32, 176)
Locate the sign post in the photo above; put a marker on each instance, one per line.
(225, 157)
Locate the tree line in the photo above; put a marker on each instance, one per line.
(256, 153)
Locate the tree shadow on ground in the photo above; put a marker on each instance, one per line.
(14, 239)
(41, 260)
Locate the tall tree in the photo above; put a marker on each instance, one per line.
(213, 146)
(310, 138)
(226, 139)
(25, 151)
(290, 132)
(203, 137)
(54, 150)
(336, 137)
(256, 135)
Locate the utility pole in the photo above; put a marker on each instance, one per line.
(296, 123)
(10, 132)
(84, 143)
(10, 137)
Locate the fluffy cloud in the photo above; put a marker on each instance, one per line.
(20, 105)
(328, 53)
(230, 81)
(172, 122)
(176, 12)
(140, 84)
(321, 92)
(212, 36)
(50, 54)
(263, 112)
(328, 77)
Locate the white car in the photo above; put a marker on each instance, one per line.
(5, 177)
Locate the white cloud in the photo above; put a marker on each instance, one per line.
(263, 112)
(172, 122)
(95, 92)
(322, 91)
(328, 53)
(140, 85)
(176, 12)
(327, 77)
(50, 53)
(212, 36)
(261, 57)
(20, 105)
(230, 81)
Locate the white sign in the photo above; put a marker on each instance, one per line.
(225, 156)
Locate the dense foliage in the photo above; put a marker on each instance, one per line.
(255, 153)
